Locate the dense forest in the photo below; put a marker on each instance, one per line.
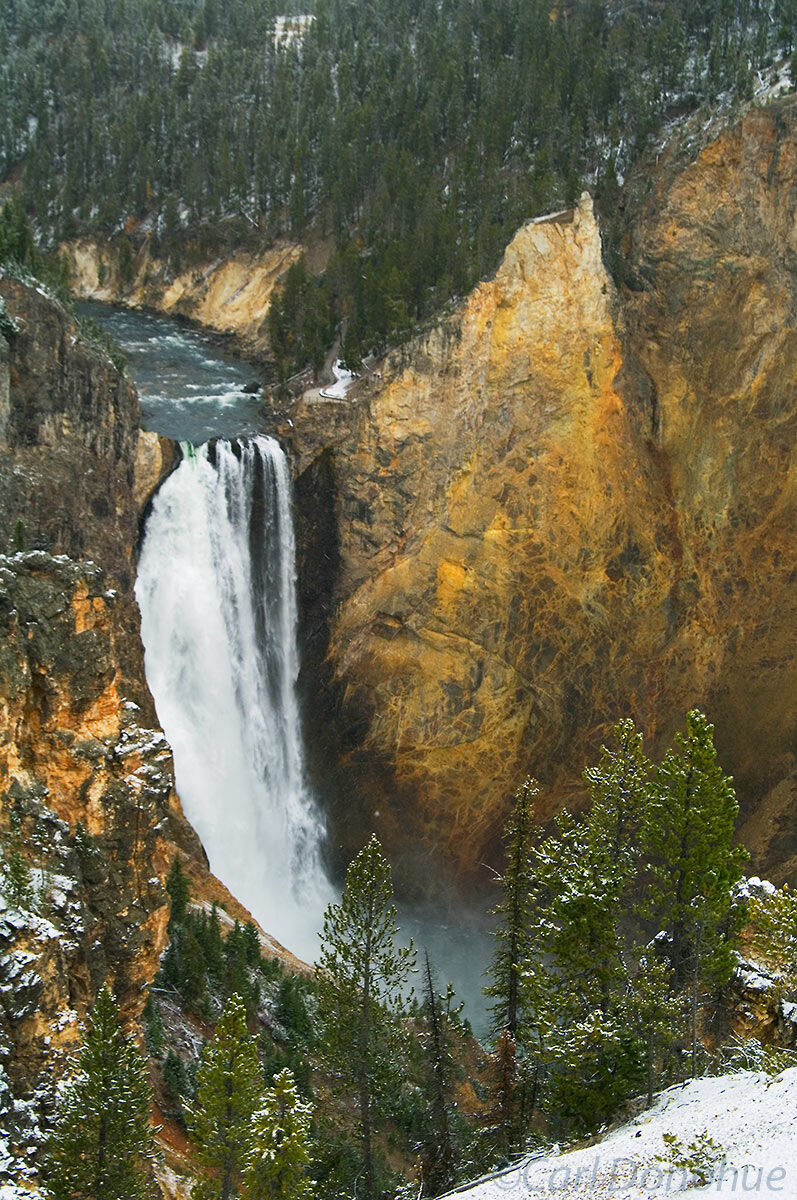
(413, 137)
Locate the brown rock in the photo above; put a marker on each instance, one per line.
(564, 506)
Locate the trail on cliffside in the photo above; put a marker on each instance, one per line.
(216, 588)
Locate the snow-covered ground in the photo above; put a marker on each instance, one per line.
(750, 1117)
(343, 381)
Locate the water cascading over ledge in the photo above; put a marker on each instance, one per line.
(217, 592)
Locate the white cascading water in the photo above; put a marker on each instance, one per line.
(217, 592)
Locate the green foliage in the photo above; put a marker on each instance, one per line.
(16, 235)
(360, 978)
(202, 965)
(16, 884)
(291, 1010)
(228, 1093)
(594, 1063)
(773, 917)
(179, 891)
(654, 1014)
(154, 1028)
(101, 1142)
(15, 881)
(277, 1166)
(177, 1082)
(417, 136)
(700, 1158)
(439, 1154)
(688, 841)
(600, 1013)
(513, 934)
(689, 838)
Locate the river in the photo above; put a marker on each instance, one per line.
(216, 587)
(190, 390)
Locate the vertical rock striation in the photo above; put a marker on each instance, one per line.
(563, 505)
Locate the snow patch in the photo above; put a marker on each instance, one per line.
(749, 1115)
(291, 30)
(343, 381)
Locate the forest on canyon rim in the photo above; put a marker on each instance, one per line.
(402, 145)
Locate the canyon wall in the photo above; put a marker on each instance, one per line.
(565, 504)
(87, 796)
(230, 295)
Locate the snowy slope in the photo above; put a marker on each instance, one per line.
(751, 1116)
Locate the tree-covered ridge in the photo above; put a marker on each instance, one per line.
(419, 135)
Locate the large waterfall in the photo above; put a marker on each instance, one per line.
(216, 588)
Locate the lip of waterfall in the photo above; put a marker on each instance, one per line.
(217, 591)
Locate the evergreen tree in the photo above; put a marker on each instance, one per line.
(773, 916)
(360, 977)
(276, 1168)
(179, 890)
(619, 788)
(439, 1167)
(15, 882)
(577, 982)
(176, 1082)
(655, 1015)
(228, 1093)
(513, 931)
(688, 839)
(101, 1143)
(514, 946)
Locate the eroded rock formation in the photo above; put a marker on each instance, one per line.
(230, 295)
(87, 794)
(563, 505)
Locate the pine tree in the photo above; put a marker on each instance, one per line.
(619, 789)
(179, 890)
(773, 916)
(439, 1169)
(688, 838)
(228, 1093)
(513, 931)
(655, 1014)
(360, 977)
(15, 882)
(101, 1143)
(514, 946)
(576, 984)
(276, 1168)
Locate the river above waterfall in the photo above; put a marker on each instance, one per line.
(190, 390)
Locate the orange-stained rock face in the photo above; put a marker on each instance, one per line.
(716, 330)
(562, 506)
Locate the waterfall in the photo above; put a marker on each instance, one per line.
(217, 591)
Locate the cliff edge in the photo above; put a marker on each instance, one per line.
(565, 504)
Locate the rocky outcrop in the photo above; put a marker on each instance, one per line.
(230, 295)
(713, 323)
(87, 800)
(69, 441)
(563, 505)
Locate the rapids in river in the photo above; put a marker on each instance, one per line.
(189, 389)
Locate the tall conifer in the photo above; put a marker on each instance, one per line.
(689, 841)
(360, 975)
(102, 1140)
(228, 1093)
